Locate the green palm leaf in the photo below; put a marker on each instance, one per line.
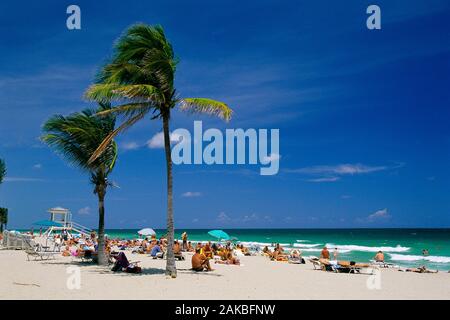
(207, 106)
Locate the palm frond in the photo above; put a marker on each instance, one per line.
(107, 140)
(78, 135)
(207, 106)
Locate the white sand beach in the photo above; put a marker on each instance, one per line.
(257, 278)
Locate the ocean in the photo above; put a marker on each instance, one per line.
(401, 246)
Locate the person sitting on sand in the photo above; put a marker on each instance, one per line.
(176, 247)
(66, 252)
(325, 254)
(157, 251)
(379, 257)
(200, 262)
(267, 251)
(207, 251)
(190, 248)
(296, 254)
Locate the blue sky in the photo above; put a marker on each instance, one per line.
(363, 115)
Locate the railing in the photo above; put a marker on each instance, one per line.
(81, 229)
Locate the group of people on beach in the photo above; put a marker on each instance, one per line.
(203, 253)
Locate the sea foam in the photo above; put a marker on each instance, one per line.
(303, 245)
(405, 257)
(352, 247)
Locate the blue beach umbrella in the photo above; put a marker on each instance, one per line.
(219, 234)
(47, 223)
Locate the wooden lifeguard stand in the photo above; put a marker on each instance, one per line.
(62, 219)
(61, 215)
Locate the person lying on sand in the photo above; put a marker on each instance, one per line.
(421, 269)
(230, 259)
(279, 255)
(379, 257)
(200, 262)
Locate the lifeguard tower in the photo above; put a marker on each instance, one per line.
(61, 219)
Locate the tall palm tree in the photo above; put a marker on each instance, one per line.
(3, 211)
(140, 77)
(3, 218)
(76, 137)
(2, 170)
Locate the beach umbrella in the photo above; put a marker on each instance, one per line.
(219, 234)
(47, 223)
(147, 232)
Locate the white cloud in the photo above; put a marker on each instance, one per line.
(330, 173)
(37, 166)
(380, 214)
(325, 179)
(341, 169)
(21, 179)
(223, 217)
(129, 145)
(85, 211)
(191, 194)
(157, 141)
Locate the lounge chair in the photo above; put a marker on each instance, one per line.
(316, 263)
(383, 264)
(35, 250)
(179, 256)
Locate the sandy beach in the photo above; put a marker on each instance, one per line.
(256, 278)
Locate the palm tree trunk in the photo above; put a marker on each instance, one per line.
(171, 268)
(102, 259)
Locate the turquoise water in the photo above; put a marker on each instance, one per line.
(401, 246)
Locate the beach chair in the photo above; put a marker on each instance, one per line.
(179, 256)
(34, 250)
(316, 263)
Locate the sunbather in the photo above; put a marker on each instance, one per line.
(122, 264)
(325, 254)
(207, 251)
(156, 251)
(230, 259)
(379, 257)
(200, 262)
(421, 269)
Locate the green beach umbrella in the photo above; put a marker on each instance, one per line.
(47, 223)
(219, 234)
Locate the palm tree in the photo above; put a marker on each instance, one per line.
(76, 137)
(140, 77)
(3, 218)
(3, 211)
(2, 170)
